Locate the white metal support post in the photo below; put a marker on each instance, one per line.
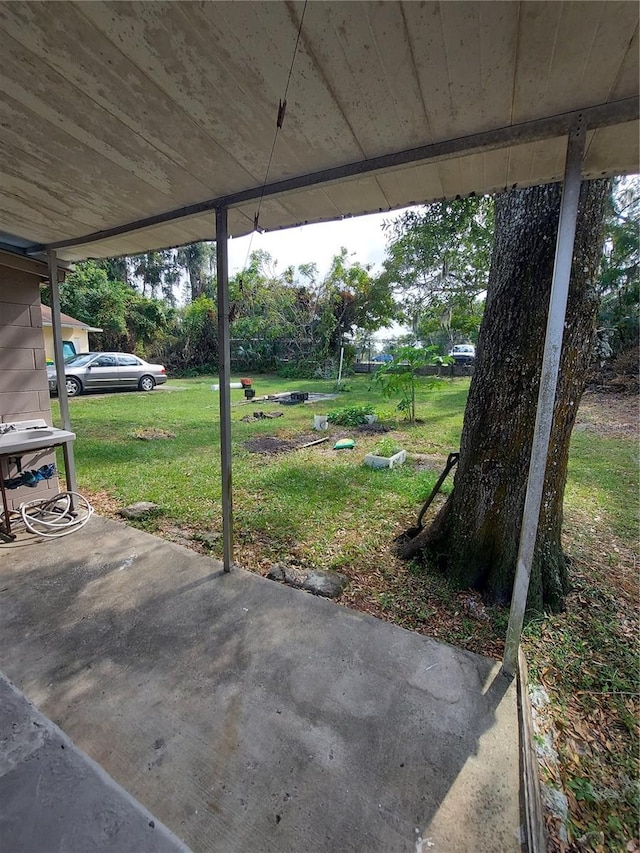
(224, 373)
(67, 447)
(546, 393)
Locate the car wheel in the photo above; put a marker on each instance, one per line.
(147, 383)
(73, 386)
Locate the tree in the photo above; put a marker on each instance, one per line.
(200, 333)
(306, 314)
(475, 535)
(149, 268)
(438, 257)
(619, 286)
(128, 320)
(198, 260)
(399, 378)
(359, 300)
(456, 319)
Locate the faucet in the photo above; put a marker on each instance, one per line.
(4, 428)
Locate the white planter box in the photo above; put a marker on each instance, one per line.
(385, 461)
(320, 422)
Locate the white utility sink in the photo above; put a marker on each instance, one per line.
(25, 436)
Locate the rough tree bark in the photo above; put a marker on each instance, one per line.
(475, 536)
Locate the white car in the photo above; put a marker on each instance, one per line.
(463, 353)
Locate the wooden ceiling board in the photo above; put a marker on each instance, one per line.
(145, 240)
(550, 157)
(202, 63)
(116, 111)
(495, 168)
(569, 55)
(415, 183)
(626, 84)
(27, 216)
(367, 64)
(451, 177)
(366, 190)
(480, 44)
(37, 197)
(425, 31)
(621, 138)
(307, 205)
(315, 125)
(72, 47)
(28, 80)
(49, 156)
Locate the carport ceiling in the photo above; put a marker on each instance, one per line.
(115, 112)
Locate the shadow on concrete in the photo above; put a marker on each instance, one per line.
(252, 717)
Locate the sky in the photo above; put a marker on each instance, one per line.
(361, 235)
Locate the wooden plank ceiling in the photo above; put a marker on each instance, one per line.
(111, 112)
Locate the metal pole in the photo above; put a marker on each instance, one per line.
(67, 447)
(546, 393)
(224, 373)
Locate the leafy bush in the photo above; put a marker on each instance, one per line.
(350, 415)
(298, 369)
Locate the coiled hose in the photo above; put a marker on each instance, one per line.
(57, 516)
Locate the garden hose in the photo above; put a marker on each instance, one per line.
(58, 516)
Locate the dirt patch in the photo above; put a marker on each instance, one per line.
(103, 503)
(428, 461)
(150, 434)
(260, 416)
(272, 444)
(609, 415)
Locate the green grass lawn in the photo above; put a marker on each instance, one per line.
(316, 507)
(304, 498)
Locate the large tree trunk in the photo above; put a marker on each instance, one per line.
(475, 535)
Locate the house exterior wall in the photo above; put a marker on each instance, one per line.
(80, 338)
(24, 392)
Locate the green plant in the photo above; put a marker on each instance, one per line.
(350, 415)
(387, 447)
(582, 789)
(398, 378)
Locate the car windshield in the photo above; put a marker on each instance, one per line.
(80, 360)
(463, 348)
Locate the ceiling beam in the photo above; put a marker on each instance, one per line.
(591, 118)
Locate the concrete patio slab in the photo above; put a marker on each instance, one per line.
(55, 798)
(248, 716)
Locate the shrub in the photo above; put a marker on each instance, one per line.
(350, 415)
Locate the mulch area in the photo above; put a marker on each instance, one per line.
(272, 445)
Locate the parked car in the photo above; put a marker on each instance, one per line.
(463, 353)
(102, 370)
(382, 358)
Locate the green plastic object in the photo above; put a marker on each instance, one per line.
(344, 444)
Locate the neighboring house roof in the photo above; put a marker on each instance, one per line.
(66, 320)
